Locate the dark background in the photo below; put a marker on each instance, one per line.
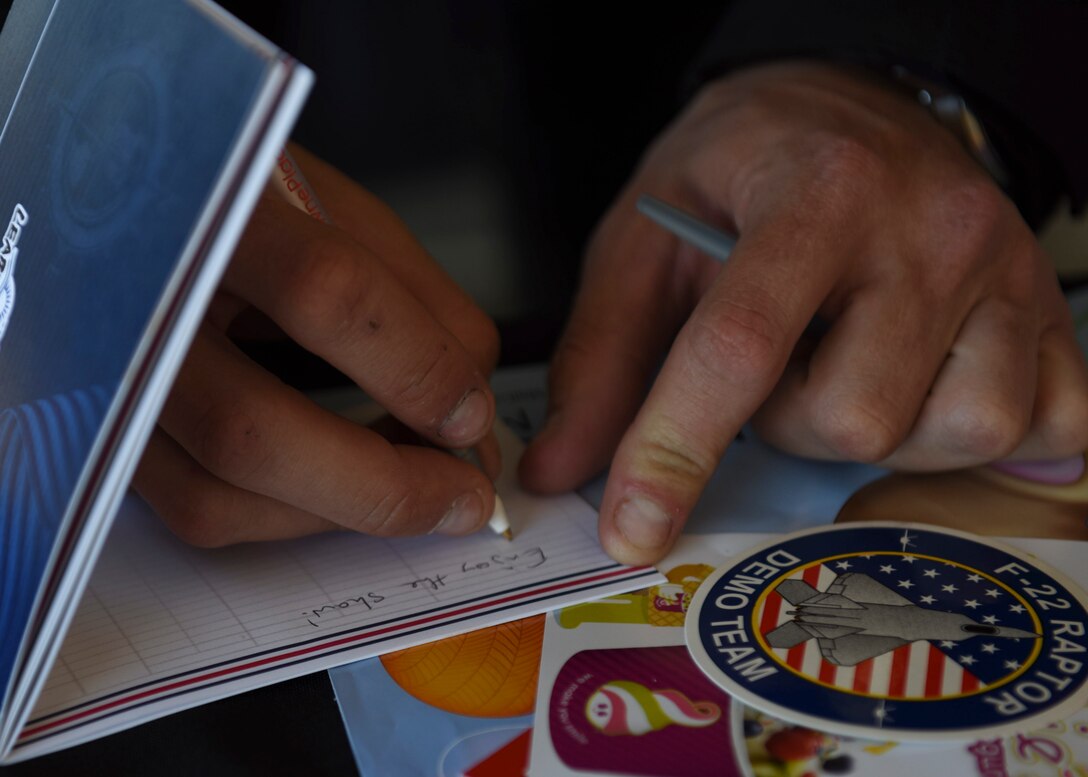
(495, 128)
(498, 130)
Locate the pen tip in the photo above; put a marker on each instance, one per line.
(509, 535)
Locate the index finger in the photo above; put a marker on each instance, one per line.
(724, 363)
(632, 299)
(339, 301)
(376, 226)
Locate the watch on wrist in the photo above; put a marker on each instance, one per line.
(953, 112)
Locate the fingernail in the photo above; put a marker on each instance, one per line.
(466, 422)
(465, 515)
(642, 523)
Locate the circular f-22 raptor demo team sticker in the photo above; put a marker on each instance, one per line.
(894, 631)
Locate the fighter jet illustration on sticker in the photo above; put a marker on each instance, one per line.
(858, 618)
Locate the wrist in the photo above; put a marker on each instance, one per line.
(952, 111)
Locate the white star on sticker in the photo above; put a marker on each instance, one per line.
(949, 589)
(989, 648)
(1017, 608)
(931, 573)
(880, 714)
(844, 565)
(1012, 664)
(974, 578)
(947, 643)
(967, 660)
(905, 584)
(972, 603)
(887, 569)
(927, 599)
(909, 559)
(993, 592)
(991, 619)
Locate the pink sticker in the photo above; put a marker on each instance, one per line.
(644, 711)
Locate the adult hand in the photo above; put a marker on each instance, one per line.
(948, 342)
(239, 456)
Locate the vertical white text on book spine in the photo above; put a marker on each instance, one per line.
(9, 251)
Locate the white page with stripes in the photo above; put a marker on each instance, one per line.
(164, 626)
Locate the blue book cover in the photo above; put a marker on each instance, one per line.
(135, 138)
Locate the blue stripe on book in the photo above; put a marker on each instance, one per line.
(12, 536)
(43, 446)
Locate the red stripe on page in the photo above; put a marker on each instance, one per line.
(310, 649)
(934, 673)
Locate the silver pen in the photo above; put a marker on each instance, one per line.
(713, 242)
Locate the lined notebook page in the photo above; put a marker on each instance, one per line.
(164, 626)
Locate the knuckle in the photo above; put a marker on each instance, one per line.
(737, 343)
(580, 343)
(424, 388)
(986, 429)
(974, 220)
(844, 168)
(394, 513)
(976, 203)
(332, 292)
(857, 429)
(670, 460)
(230, 443)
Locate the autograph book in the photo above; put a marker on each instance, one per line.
(135, 139)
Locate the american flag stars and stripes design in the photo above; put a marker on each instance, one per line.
(908, 632)
(924, 668)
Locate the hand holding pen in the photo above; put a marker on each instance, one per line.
(293, 186)
(239, 456)
(946, 341)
